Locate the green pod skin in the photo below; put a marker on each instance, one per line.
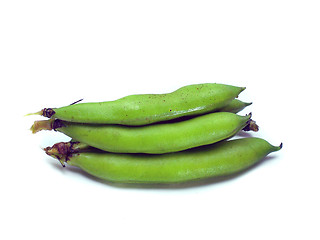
(220, 159)
(158, 138)
(235, 106)
(143, 109)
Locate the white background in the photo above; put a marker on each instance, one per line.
(53, 53)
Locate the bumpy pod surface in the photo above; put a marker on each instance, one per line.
(219, 159)
(143, 109)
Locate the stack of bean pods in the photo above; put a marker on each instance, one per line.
(158, 138)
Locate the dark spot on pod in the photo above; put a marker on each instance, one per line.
(57, 124)
(62, 148)
(251, 126)
(71, 148)
(48, 112)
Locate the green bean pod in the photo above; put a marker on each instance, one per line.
(220, 159)
(235, 106)
(157, 138)
(143, 109)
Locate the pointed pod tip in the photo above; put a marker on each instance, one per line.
(239, 90)
(280, 146)
(277, 148)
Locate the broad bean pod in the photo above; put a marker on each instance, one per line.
(157, 138)
(219, 159)
(143, 109)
